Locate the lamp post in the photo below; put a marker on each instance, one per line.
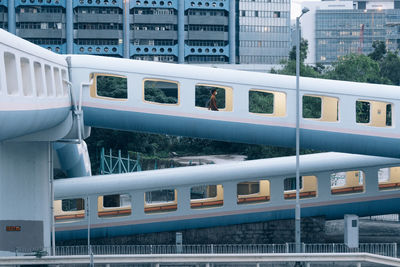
(297, 211)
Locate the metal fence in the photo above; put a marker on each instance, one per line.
(387, 217)
(384, 249)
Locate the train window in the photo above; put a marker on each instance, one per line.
(322, 108)
(206, 196)
(69, 209)
(308, 187)
(267, 103)
(10, 66)
(73, 204)
(253, 192)
(26, 77)
(64, 81)
(38, 78)
(289, 184)
(161, 91)
(374, 113)
(347, 182)
(224, 96)
(109, 86)
(312, 107)
(114, 205)
(388, 115)
(57, 81)
(160, 201)
(389, 178)
(49, 80)
(363, 110)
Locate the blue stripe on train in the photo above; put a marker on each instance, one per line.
(241, 132)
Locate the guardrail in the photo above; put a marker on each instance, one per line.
(178, 259)
(384, 249)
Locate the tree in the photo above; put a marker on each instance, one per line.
(303, 51)
(379, 51)
(290, 65)
(390, 67)
(357, 68)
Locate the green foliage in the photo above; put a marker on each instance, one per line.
(312, 107)
(161, 92)
(362, 112)
(390, 67)
(110, 86)
(356, 68)
(289, 67)
(261, 102)
(303, 51)
(379, 50)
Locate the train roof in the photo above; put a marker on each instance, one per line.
(208, 174)
(26, 47)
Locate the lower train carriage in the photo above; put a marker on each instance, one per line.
(212, 196)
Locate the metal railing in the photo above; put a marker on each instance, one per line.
(387, 217)
(384, 249)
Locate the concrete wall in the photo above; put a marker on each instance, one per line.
(279, 231)
(24, 196)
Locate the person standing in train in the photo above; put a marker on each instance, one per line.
(213, 100)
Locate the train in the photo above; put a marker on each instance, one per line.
(249, 192)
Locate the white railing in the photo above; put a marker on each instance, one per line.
(387, 217)
(384, 249)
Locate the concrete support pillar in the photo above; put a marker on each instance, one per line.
(11, 17)
(183, 199)
(371, 180)
(126, 29)
(69, 31)
(276, 191)
(24, 196)
(230, 200)
(138, 204)
(232, 32)
(181, 31)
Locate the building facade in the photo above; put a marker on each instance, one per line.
(263, 31)
(337, 28)
(181, 31)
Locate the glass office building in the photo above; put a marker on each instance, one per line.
(337, 28)
(348, 31)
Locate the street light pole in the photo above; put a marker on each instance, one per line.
(297, 210)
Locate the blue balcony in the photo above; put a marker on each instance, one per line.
(207, 4)
(207, 50)
(59, 49)
(153, 3)
(99, 49)
(39, 3)
(153, 50)
(98, 3)
(3, 2)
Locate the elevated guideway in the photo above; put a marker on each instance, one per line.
(364, 193)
